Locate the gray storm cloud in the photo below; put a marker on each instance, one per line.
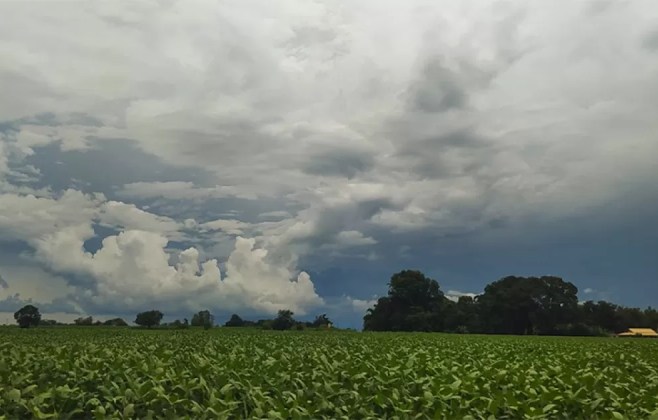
(260, 136)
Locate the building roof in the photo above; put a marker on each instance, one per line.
(645, 332)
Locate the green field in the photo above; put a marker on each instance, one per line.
(126, 373)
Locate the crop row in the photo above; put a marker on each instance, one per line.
(122, 373)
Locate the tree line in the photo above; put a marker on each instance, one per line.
(283, 321)
(29, 316)
(545, 305)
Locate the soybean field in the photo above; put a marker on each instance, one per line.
(80, 373)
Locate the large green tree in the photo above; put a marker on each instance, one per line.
(414, 303)
(203, 319)
(284, 320)
(545, 305)
(116, 322)
(527, 305)
(27, 316)
(149, 318)
(321, 321)
(462, 316)
(86, 321)
(234, 321)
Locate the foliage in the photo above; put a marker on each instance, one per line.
(321, 321)
(27, 316)
(414, 303)
(534, 305)
(203, 319)
(178, 324)
(284, 320)
(50, 322)
(84, 321)
(149, 318)
(116, 322)
(544, 305)
(65, 373)
(234, 321)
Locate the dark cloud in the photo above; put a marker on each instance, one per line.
(3, 283)
(207, 209)
(80, 118)
(345, 163)
(43, 119)
(460, 139)
(14, 302)
(650, 40)
(466, 141)
(437, 90)
(50, 119)
(441, 156)
(110, 163)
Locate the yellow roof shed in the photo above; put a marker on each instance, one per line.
(641, 332)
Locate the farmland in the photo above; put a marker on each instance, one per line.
(222, 373)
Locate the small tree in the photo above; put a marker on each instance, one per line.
(321, 321)
(116, 322)
(203, 319)
(179, 325)
(284, 320)
(84, 321)
(235, 321)
(149, 318)
(27, 316)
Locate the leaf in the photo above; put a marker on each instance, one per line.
(548, 408)
(225, 389)
(28, 389)
(455, 385)
(14, 395)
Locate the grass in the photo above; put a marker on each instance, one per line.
(227, 373)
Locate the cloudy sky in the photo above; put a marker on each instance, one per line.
(248, 156)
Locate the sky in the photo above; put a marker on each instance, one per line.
(250, 156)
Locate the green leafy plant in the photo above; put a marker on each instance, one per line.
(80, 373)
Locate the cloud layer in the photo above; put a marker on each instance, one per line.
(212, 151)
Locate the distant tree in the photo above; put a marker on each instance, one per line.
(234, 321)
(321, 321)
(116, 322)
(178, 324)
(631, 317)
(84, 321)
(27, 316)
(532, 305)
(284, 320)
(545, 305)
(462, 316)
(602, 314)
(414, 303)
(557, 304)
(266, 324)
(379, 317)
(651, 316)
(149, 318)
(49, 322)
(203, 319)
